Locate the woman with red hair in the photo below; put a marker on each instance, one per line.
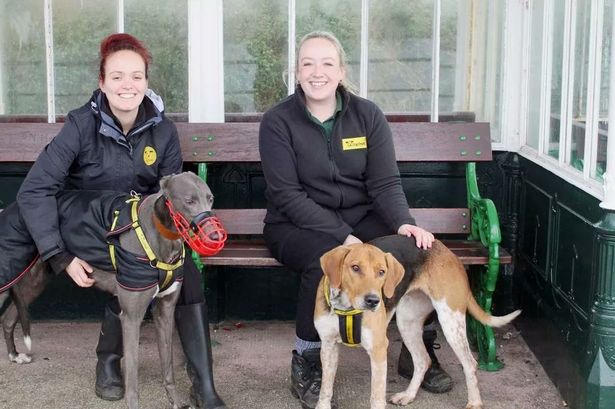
(119, 140)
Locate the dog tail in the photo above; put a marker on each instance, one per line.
(485, 318)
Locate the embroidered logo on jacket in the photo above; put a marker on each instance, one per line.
(149, 155)
(359, 142)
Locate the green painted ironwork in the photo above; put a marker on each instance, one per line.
(202, 172)
(600, 355)
(485, 227)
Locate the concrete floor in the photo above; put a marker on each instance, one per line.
(252, 365)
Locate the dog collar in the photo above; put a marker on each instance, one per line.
(349, 320)
(153, 260)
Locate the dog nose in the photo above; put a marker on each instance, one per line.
(372, 301)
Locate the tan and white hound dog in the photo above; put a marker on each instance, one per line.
(391, 275)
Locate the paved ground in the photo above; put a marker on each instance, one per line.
(252, 365)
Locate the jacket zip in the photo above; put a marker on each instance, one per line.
(332, 162)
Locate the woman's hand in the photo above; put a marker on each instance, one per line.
(351, 240)
(78, 270)
(423, 238)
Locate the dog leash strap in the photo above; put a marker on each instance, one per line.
(168, 279)
(139, 231)
(146, 247)
(116, 216)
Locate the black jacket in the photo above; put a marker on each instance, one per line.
(329, 185)
(91, 153)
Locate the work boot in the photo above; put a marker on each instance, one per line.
(436, 379)
(306, 377)
(109, 381)
(193, 329)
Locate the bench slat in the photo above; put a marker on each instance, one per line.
(255, 254)
(440, 221)
(429, 142)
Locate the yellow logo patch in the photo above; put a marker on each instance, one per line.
(149, 155)
(359, 142)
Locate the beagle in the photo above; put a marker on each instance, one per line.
(391, 275)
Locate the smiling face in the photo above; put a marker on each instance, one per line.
(124, 82)
(319, 70)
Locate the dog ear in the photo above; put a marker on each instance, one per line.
(331, 263)
(164, 182)
(395, 272)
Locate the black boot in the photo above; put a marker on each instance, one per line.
(436, 379)
(193, 328)
(109, 382)
(306, 377)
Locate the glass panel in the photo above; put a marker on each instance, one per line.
(78, 27)
(343, 19)
(255, 54)
(23, 81)
(400, 55)
(557, 64)
(486, 65)
(579, 92)
(535, 69)
(163, 27)
(448, 54)
(603, 120)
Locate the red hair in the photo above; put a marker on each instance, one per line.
(119, 42)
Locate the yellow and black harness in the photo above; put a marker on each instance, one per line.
(349, 320)
(166, 273)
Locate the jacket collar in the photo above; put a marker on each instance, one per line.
(150, 114)
(300, 98)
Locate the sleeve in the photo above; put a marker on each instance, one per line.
(171, 161)
(36, 197)
(284, 189)
(382, 175)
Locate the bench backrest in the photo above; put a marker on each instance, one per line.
(238, 142)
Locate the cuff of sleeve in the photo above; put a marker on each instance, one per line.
(60, 261)
(341, 234)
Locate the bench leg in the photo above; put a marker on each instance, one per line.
(483, 337)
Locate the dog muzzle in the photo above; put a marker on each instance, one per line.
(204, 234)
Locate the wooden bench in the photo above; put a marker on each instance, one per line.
(475, 228)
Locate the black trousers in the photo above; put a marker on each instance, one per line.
(300, 250)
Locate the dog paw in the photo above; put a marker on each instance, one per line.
(323, 405)
(401, 399)
(474, 406)
(20, 358)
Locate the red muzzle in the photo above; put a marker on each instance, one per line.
(205, 234)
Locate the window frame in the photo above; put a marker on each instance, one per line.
(560, 166)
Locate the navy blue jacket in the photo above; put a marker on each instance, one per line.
(92, 153)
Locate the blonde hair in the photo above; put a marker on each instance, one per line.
(326, 35)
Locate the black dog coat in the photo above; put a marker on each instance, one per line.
(86, 219)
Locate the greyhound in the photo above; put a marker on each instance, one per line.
(158, 225)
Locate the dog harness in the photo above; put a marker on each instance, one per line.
(167, 273)
(89, 223)
(349, 320)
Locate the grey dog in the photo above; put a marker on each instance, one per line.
(188, 196)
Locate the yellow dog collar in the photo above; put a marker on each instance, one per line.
(349, 320)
